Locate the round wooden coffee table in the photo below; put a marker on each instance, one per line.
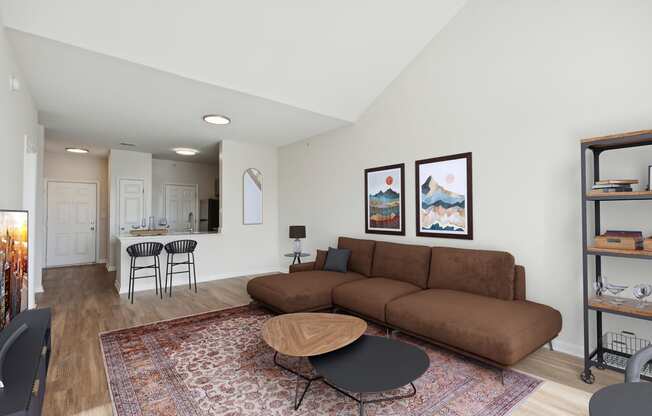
(306, 335)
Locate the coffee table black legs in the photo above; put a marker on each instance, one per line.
(297, 400)
(362, 402)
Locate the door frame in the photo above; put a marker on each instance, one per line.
(119, 195)
(165, 201)
(97, 216)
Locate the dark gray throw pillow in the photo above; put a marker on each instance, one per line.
(337, 259)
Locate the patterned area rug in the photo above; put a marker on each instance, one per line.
(217, 364)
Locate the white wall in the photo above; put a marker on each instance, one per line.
(84, 168)
(125, 164)
(20, 139)
(17, 118)
(518, 83)
(251, 248)
(181, 173)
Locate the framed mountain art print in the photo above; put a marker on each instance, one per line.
(444, 197)
(385, 200)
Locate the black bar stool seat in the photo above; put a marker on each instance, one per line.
(181, 247)
(140, 250)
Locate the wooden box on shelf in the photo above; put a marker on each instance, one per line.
(647, 244)
(617, 243)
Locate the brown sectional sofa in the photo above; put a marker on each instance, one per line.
(471, 301)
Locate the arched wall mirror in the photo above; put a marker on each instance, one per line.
(252, 185)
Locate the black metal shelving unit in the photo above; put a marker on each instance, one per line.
(598, 145)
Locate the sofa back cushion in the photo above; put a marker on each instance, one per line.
(405, 262)
(487, 273)
(320, 259)
(362, 254)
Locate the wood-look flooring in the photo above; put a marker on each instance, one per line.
(85, 303)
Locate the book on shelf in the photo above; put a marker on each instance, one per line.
(618, 189)
(617, 182)
(619, 233)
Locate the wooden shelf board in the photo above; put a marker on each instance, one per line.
(620, 253)
(614, 141)
(619, 195)
(616, 136)
(627, 307)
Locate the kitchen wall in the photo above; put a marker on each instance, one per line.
(181, 173)
(124, 164)
(518, 83)
(84, 168)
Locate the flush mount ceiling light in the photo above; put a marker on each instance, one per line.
(77, 150)
(185, 152)
(217, 119)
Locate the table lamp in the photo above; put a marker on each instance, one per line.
(297, 232)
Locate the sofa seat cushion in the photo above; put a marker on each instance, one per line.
(297, 292)
(369, 297)
(501, 331)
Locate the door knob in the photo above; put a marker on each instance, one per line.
(92, 228)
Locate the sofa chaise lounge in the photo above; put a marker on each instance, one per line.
(470, 301)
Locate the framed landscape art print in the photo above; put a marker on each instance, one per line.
(385, 200)
(444, 197)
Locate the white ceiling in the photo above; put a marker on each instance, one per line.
(92, 100)
(319, 64)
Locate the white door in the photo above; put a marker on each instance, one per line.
(180, 202)
(71, 223)
(132, 203)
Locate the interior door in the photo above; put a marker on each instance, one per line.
(71, 223)
(132, 203)
(180, 202)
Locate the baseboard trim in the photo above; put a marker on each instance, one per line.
(149, 285)
(568, 348)
(110, 268)
(39, 289)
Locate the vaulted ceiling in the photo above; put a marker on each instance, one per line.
(148, 70)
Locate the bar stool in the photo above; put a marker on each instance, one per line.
(181, 247)
(148, 249)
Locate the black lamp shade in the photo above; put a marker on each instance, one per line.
(297, 231)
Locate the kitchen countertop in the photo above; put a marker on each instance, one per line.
(126, 236)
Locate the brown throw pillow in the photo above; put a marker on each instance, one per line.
(320, 259)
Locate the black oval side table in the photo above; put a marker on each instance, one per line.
(372, 365)
(622, 399)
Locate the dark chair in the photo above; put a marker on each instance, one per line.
(629, 398)
(636, 363)
(148, 249)
(181, 247)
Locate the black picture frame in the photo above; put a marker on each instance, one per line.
(370, 230)
(468, 201)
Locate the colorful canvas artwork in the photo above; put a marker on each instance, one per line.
(13, 264)
(444, 197)
(385, 200)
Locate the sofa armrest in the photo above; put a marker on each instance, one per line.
(519, 283)
(302, 267)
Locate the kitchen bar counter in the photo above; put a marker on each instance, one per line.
(206, 259)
